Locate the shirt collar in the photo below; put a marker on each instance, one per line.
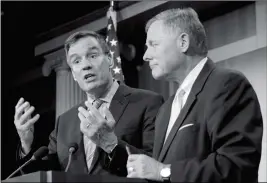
(192, 76)
(109, 95)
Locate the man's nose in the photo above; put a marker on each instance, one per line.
(147, 57)
(86, 64)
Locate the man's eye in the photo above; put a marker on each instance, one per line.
(93, 56)
(76, 61)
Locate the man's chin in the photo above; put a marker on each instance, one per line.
(157, 76)
(90, 86)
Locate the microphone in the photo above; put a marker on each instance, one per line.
(39, 154)
(72, 149)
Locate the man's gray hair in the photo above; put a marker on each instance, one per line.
(184, 20)
(82, 34)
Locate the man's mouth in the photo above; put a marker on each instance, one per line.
(152, 65)
(87, 76)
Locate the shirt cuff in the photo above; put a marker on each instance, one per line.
(110, 144)
(110, 155)
(22, 154)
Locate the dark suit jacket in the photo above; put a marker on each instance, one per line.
(134, 111)
(221, 141)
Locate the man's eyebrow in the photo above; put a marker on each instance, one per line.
(93, 48)
(73, 55)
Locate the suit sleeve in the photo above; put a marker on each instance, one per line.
(116, 162)
(235, 128)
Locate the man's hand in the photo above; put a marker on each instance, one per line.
(25, 124)
(98, 128)
(144, 167)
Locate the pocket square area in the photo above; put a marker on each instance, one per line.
(185, 126)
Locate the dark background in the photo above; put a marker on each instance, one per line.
(26, 24)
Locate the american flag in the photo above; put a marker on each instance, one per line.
(114, 51)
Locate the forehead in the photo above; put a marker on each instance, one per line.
(84, 44)
(156, 31)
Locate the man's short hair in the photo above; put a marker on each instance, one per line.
(82, 34)
(184, 20)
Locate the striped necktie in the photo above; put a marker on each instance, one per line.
(89, 146)
(97, 103)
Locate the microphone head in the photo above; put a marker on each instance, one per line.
(73, 147)
(40, 153)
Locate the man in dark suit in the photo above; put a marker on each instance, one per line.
(113, 116)
(211, 129)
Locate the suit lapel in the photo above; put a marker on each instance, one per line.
(117, 106)
(177, 124)
(160, 130)
(119, 102)
(197, 87)
(79, 156)
(95, 159)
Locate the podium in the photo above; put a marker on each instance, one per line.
(56, 176)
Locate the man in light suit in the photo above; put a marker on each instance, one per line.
(211, 129)
(124, 116)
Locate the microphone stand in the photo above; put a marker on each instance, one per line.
(19, 168)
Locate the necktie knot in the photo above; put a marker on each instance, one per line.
(181, 93)
(97, 103)
(179, 96)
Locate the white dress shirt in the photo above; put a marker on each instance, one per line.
(183, 92)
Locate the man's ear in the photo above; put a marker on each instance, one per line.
(110, 61)
(73, 75)
(184, 42)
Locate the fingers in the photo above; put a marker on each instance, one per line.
(22, 117)
(85, 120)
(26, 116)
(85, 117)
(31, 121)
(90, 130)
(131, 174)
(132, 160)
(133, 157)
(21, 100)
(82, 124)
(25, 110)
(131, 166)
(95, 115)
(83, 112)
(20, 109)
(109, 117)
(94, 112)
(137, 166)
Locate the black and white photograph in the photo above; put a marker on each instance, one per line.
(133, 91)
